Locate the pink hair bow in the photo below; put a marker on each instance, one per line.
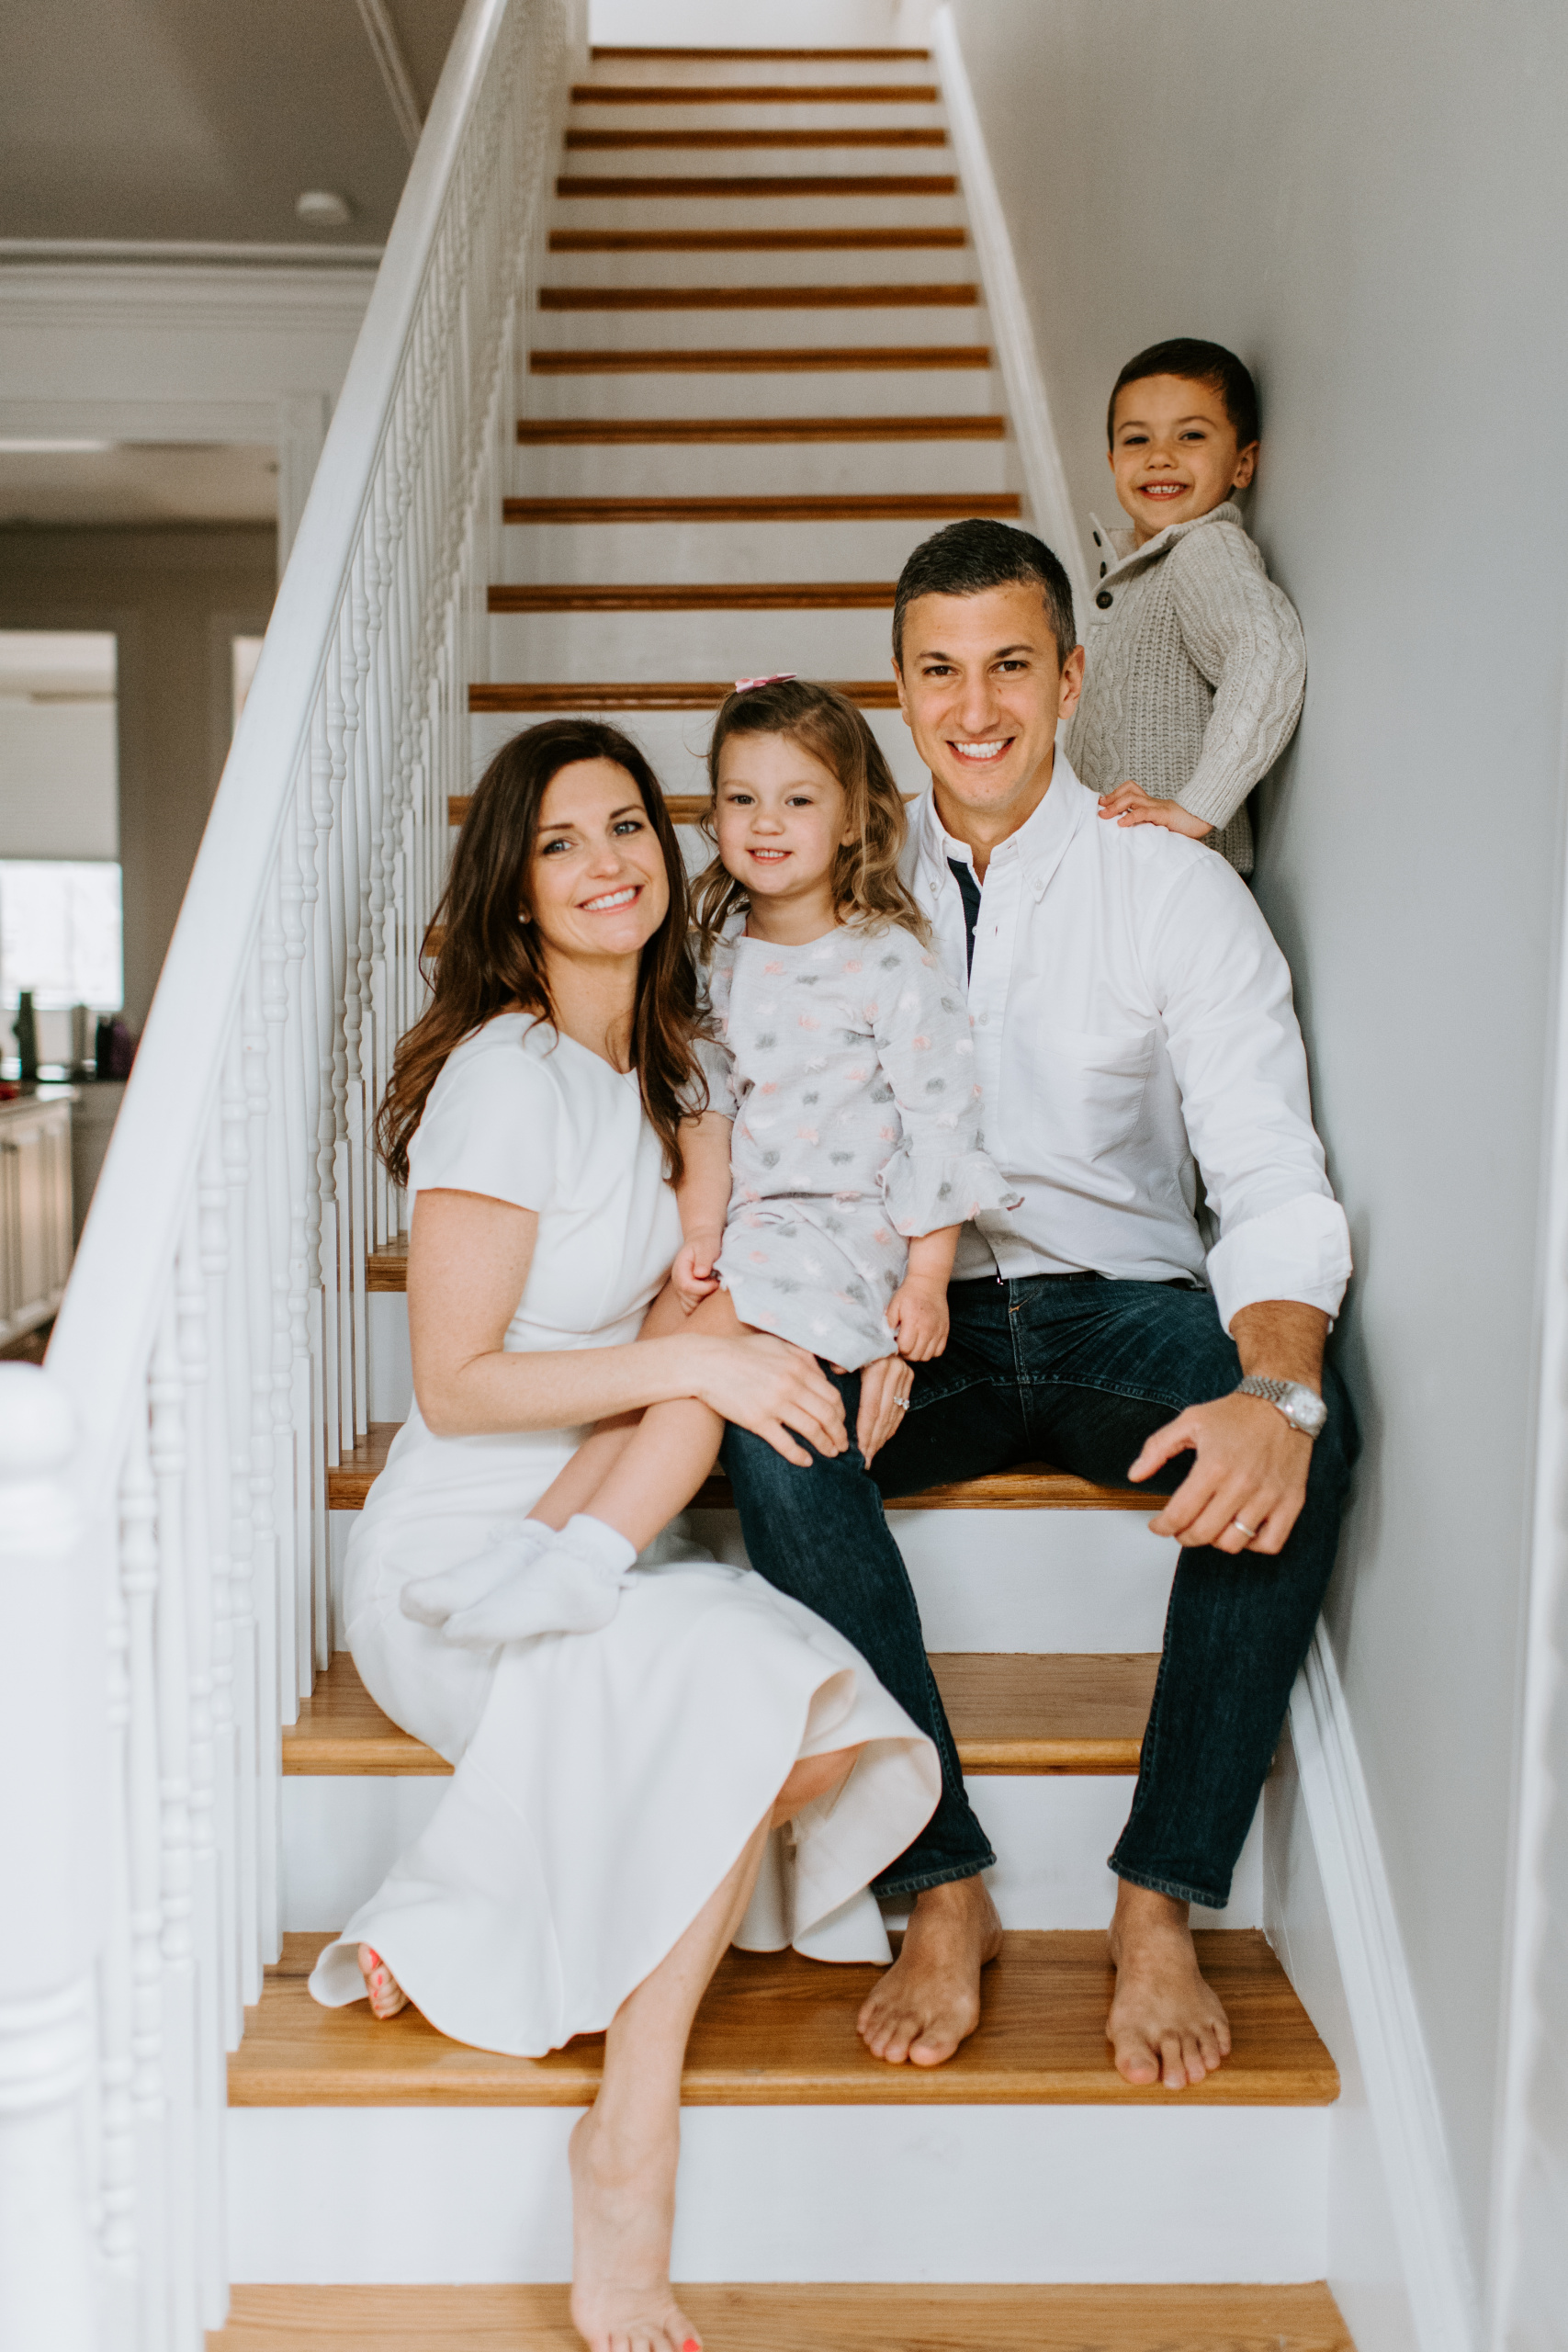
(779, 678)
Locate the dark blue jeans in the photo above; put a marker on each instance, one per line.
(1076, 1372)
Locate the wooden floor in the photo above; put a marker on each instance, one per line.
(775, 2029)
(802, 2319)
(1010, 1713)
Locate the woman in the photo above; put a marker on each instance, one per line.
(601, 1840)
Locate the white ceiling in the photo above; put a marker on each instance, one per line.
(198, 119)
(133, 482)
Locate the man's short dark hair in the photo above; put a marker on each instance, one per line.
(969, 558)
(1208, 364)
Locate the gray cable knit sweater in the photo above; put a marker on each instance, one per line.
(1196, 671)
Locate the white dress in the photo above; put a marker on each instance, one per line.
(605, 1783)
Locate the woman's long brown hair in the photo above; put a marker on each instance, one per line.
(490, 963)
(868, 890)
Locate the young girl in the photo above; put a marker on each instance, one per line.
(825, 1184)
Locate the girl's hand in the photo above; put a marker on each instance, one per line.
(883, 1387)
(1131, 805)
(691, 1277)
(777, 1391)
(917, 1313)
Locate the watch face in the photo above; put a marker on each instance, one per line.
(1308, 1412)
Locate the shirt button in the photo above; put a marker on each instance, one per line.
(1105, 600)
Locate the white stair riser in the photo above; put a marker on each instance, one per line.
(546, 648)
(812, 265)
(1047, 2194)
(672, 68)
(790, 391)
(340, 1835)
(753, 115)
(751, 211)
(778, 469)
(668, 552)
(676, 745)
(654, 163)
(761, 329)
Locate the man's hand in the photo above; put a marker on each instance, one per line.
(1245, 1491)
(691, 1277)
(1251, 1475)
(882, 1387)
(1131, 805)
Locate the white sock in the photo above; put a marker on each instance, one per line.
(573, 1588)
(510, 1550)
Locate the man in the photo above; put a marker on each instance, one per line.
(1134, 1031)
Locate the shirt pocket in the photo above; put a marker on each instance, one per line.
(1080, 1091)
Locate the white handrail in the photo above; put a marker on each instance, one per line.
(210, 1361)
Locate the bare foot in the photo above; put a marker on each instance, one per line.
(1165, 2024)
(386, 1995)
(930, 2000)
(622, 2213)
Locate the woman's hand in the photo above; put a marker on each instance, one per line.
(917, 1314)
(885, 1387)
(777, 1391)
(1131, 805)
(691, 1277)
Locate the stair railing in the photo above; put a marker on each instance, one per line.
(165, 1592)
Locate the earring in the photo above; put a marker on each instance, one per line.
(523, 916)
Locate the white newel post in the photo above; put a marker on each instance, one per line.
(51, 1873)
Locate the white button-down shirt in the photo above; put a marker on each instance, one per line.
(1132, 1023)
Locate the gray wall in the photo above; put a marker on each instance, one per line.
(174, 598)
(1367, 198)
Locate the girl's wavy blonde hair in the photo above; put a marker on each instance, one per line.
(868, 890)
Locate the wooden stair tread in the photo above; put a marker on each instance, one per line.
(881, 297)
(655, 188)
(805, 2318)
(761, 56)
(686, 597)
(784, 359)
(1012, 1713)
(870, 693)
(754, 94)
(1034, 1485)
(894, 135)
(910, 506)
(574, 431)
(685, 808)
(778, 2031)
(751, 241)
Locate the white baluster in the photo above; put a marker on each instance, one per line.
(250, 1600)
(138, 1584)
(268, 1586)
(50, 1866)
(218, 1464)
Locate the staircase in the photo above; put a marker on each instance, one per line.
(751, 379)
(759, 374)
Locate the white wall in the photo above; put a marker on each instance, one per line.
(734, 24)
(1367, 200)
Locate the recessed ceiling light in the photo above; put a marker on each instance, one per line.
(323, 207)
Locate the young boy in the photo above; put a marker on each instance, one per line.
(1196, 662)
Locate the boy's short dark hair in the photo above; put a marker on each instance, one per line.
(969, 558)
(1208, 364)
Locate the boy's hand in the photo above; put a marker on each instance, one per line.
(691, 1277)
(884, 1385)
(917, 1313)
(1131, 805)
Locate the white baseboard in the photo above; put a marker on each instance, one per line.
(1012, 329)
(1391, 2122)
(1028, 2195)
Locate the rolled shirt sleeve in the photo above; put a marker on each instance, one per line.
(1238, 1055)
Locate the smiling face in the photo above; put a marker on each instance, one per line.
(1174, 452)
(597, 889)
(982, 691)
(780, 817)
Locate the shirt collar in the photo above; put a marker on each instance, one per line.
(1121, 545)
(1038, 846)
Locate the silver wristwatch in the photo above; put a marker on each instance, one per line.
(1303, 1407)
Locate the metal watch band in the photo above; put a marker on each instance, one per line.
(1300, 1408)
